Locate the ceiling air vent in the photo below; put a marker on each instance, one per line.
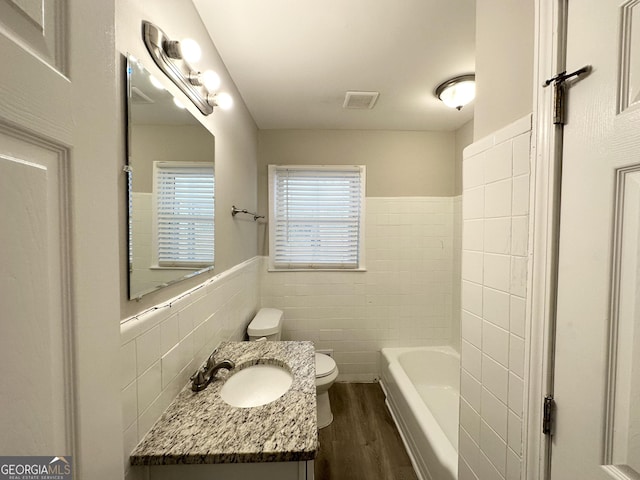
(361, 100)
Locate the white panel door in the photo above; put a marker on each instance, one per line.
(597, 378)
(35, 353)
(58, 185)
(35, 390)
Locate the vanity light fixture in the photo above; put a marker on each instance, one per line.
(156, 83)
(190, 50)
(222, 100)
(178, 103)
(458, 91)
(210, 80)
(174, 58)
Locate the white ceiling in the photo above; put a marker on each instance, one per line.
(293, 60)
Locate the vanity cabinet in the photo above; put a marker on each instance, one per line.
(235, 471)
(202, 437)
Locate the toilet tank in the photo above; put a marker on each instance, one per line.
(267, 323)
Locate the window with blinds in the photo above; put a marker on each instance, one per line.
(316, 217)
(184, 214)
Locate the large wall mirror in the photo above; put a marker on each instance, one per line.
(170, 189)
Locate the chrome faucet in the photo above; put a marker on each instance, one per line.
(207, 373)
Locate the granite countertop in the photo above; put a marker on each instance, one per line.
(199, 427)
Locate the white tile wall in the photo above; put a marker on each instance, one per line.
(497, 235)
(470, 390)
(494, 413)
(473, 238)
(473, 266)
(457, 273)
(471, 296)
(162, 348)
(495, 343)
(495, 243)
(495, 378)
(470, 420)
(406, 297)
(471, 359)
(472, 329)
(409, 295)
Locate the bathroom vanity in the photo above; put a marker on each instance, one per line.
(200, 436)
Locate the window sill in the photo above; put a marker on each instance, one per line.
(203, 267)
(277, 270)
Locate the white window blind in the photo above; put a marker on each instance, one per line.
(184, 207)
(316, 216)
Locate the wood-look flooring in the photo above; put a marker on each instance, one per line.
(362, 443)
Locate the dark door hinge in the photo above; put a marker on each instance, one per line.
(548, 415)
(560, 90)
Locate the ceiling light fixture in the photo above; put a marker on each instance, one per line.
(174, 57)
(458, 91)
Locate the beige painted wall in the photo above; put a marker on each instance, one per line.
(399, 163)
(236, 138)
(464, 138)
(504, 63)
(166, 143)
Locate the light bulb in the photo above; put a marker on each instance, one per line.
(155, 82)
(223, 100)
(178, 103)
(458, 95)
(190, 50)
(210, 80)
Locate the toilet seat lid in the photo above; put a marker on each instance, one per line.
(267, 322)
(325, 365)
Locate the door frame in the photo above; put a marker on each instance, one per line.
(546, 155)
(96, 181)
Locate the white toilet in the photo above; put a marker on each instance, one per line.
(268, 324)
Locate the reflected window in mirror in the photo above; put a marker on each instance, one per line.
(183, 214)
(171, 220)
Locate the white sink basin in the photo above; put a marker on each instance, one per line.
(256, 385)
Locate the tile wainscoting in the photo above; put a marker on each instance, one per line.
(495, 258)
(163, 347)
(409, 295)
(406, 296)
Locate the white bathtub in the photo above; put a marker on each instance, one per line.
(422, 386)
